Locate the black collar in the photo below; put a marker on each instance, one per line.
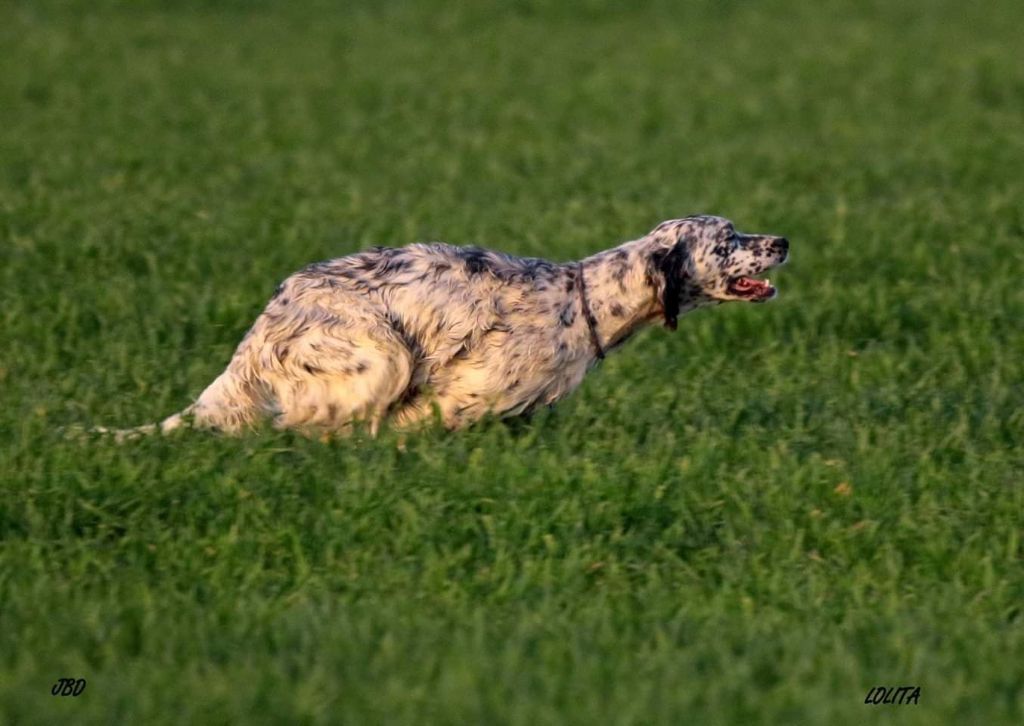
(587, 314)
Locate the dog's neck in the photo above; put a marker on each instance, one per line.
(623, 292)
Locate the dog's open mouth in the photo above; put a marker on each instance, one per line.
(752, 289)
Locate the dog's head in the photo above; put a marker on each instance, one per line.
(703, 261)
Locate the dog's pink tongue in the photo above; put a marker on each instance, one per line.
(753, 289)
(749, 283)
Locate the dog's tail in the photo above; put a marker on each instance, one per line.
(181, 420)
(228, 405)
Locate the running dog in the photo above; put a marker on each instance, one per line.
(404, 334)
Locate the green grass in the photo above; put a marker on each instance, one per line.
(669, 544)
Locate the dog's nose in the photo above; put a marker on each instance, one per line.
(780, 244)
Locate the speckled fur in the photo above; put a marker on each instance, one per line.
(397, 333)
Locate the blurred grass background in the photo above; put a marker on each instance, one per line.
(756, 519)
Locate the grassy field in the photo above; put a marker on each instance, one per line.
(755, 519)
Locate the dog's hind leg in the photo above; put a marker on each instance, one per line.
(335, 375)
(230, 404)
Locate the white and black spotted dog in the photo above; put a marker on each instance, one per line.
(399, 333)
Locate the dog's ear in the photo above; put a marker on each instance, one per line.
(670, 264)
